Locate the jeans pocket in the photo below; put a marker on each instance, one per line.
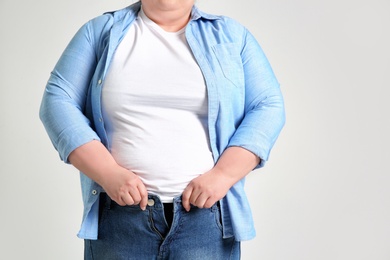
(217, 216)
(103, 206)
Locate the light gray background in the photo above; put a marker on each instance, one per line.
(323, 195)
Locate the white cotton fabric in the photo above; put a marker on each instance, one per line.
(155, 109)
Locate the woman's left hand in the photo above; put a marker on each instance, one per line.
(205, 190)
(233, 165)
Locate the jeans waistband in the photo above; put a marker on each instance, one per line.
(153, 201)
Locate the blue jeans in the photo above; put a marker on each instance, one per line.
(130, 233)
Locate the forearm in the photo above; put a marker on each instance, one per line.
(94, 160)
(235, 163)
(121, 184)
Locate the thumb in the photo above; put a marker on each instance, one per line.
(186, 198)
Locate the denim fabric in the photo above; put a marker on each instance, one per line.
(246, 106)
(130, 233)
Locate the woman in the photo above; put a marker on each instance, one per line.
(164, 110)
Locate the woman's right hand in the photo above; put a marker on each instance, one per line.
(122, 186)
(125, 187)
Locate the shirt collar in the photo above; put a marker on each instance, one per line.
(132, 11)
(198, 14)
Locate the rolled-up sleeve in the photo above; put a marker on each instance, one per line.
(264, 106)
(63, 103)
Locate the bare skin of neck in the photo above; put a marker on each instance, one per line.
(170, 15)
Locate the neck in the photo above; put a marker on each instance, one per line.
(171, 19)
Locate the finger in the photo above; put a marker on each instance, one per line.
(186, 198)
(209, 203)
(195, 194)
(127, 199)
(120, 202)
(144, 196)
(136, 196)
(116, 198)
(201, 200)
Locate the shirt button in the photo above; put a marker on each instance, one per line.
(94, 192)
(150, 202)
(99, 81)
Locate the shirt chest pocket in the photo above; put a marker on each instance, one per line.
(230, 63)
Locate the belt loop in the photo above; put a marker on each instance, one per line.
(105, 200)
(108, 201)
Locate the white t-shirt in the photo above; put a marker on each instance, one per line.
(155, 109)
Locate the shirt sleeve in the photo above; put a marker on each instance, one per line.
(63, 103)
(264, 106)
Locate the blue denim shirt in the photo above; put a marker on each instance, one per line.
(245, 103)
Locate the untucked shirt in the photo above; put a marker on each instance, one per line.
(245, 104)
(155, 109)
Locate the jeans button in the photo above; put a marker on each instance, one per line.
(151, 202)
